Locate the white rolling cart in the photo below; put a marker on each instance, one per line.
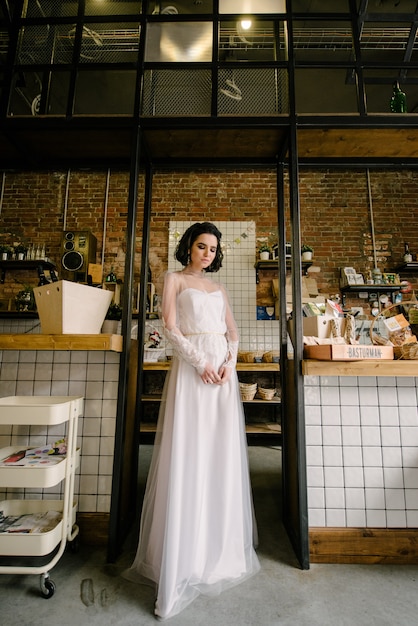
(42, 411)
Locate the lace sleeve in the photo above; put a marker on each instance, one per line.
(232, 335)
(182, 346)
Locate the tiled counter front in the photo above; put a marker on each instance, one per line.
(362, 451)
(92, 374)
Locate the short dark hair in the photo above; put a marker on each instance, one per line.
(190, 236)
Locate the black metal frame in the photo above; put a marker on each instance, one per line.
(139, 156)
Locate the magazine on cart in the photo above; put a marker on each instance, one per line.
(30, 522)
(36, 457)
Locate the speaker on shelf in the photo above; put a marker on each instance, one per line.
(78, 249)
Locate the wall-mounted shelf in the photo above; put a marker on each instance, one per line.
(273, 264)
(407, 268)
(347, 289)
(24, 265)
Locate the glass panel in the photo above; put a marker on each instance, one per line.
(39, 44)
(405, 6)
(320, 6)
(106, 92)
(252, 92)
(58, 93)
(110, 43)
(120, 7)
(26, 93)
(168, 7)
(181, 42)
(255, 43)
(322, 41)
(385, 42)
(51, 8)
(325, 91)
(176, 92)
(26, 90)
(379, 90)
(252, 6)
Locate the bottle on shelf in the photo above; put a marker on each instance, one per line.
(53, 276)
(407, 257)
(111, 277)
(42, 278)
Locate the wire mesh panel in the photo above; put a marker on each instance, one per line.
(49, 8)
(252, 91)
(45, 43)
(100, 43)
(122, 7)
(176, 92)
(109, 43)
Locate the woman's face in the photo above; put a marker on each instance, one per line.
(203, 251)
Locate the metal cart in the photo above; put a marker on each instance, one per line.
(43, 412)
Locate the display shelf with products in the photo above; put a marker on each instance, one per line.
(38, 527)
(369, 289)
(24, 265)
(262, 417)
(407, 268)
(273, 264)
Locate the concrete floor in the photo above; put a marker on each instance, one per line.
(90, 591)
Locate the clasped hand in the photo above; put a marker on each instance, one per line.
(211, 376)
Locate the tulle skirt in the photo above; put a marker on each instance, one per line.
(197, 531)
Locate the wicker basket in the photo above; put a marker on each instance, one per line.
(152, 355)
(409, 351)
(248, 391)
(405, 307)
(272, 356)
(249, 356)
(266, 394)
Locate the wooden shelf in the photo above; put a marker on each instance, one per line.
(24, 265)
(273, 264)
(241, 367)
(360, 368)
(407, 268)
(23, 341)
(157, 398)
(253, 429)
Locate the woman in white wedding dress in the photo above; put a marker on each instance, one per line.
(197, 530)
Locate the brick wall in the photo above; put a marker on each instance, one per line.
(335, 213)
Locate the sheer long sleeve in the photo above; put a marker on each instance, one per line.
(180, 343)
(232, 335)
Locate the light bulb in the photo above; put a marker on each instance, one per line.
(246, 24)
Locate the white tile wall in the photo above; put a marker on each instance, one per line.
(94, 376)
(362, 451)
(238, 276)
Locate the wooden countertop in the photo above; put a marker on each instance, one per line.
(23, 341)
(360, 368)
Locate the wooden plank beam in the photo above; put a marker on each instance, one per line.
(364, 545)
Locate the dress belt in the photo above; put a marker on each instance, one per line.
(205, 333)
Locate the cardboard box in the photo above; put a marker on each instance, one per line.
(70, 308)
(348, 353)
(318, 326)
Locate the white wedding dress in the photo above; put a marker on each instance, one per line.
(197, 527)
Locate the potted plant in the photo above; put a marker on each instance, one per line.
(25, 299)
(307, 252)
(264, 252)
(5, 251)
(112, 319)
(20, 250)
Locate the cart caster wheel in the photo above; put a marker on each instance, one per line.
(47, 588)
